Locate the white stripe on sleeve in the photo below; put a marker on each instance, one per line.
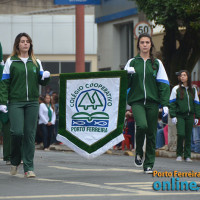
(128, 63)
(162, 75)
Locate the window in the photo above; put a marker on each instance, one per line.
(105, 69)
(194, 76)
(126, 42)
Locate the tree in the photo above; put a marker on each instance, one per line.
(181, 42)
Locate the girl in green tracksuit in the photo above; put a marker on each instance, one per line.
(21, 77)
(149, 87)
(4, 121)
(184, 105)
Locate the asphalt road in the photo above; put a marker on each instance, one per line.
(66, 175)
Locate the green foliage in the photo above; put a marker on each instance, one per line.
(172, 13)
(181, 20)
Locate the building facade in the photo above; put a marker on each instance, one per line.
(115, 20)
(52, 29)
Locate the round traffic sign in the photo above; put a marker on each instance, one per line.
(142, 27)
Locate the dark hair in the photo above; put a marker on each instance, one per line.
(55, 98)
(151, 49)
(159, 115)
(189, 83)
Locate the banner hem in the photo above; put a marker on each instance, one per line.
(94, 154)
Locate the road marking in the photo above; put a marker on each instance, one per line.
(69, 195)
(98, 170)
(89, 185)
(78, 183)
(131, 183)
(95, 195)
(134, 188)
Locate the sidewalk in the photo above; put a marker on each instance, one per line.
(159, 152)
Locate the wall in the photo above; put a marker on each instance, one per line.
(113, 17)
(113, 8)
(53, 41)
(22, 6)
(51, 34)
(112, 43)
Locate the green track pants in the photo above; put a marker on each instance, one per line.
(6, 141)
(184, 131)
(23, 121)
(146, 117)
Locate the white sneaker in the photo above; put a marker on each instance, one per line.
(148, 170)
(179, 159)
(188, 160)
(13, 170)
(29, 174)
(138, 161)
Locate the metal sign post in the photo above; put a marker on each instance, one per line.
(80, 47)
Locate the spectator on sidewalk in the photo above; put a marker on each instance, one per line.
(129, 130)
(47, 118)
(184, 104)
(21, 77)
(160, 140)
(38, 137)
(55, 102)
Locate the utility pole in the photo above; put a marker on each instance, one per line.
(80, 47)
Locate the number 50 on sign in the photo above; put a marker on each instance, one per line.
(142, 27)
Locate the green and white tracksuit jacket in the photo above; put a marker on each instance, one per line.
(20, 81)
(149, 87)
(148, 84)
(184, 111)
(189, 105)
(3, 116)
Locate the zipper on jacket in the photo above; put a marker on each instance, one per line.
(188, 100)
(26, 82)
(145, 94)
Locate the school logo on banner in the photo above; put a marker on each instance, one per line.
(92, 107)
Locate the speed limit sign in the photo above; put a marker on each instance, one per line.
(142, 27)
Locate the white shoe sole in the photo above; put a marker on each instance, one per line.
(138, 165)
(30, 174)
(148, 172)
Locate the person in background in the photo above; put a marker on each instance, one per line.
(47, 118)
(184, 104)
(55, 101)
(38, 137)
(160, 140)
(21, 77)
(130, 127)
(149, 87)
(5, 124)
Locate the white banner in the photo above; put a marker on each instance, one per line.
(91, 114)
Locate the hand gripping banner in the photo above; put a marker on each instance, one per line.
(91, 111)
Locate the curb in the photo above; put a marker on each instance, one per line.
(159, 153)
